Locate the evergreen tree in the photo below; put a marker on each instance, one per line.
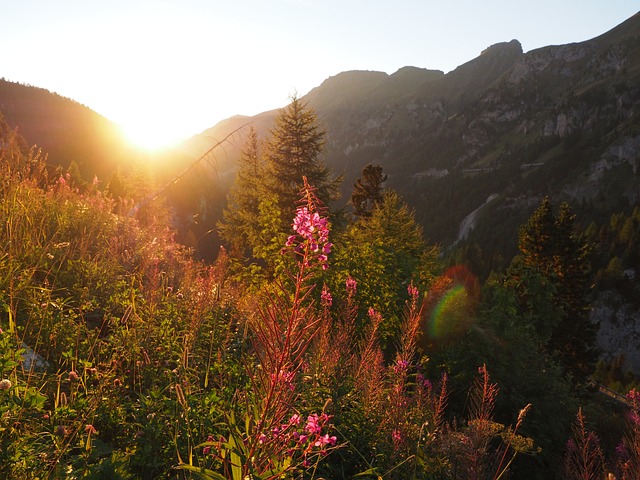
(384, 254)
(551, 246)
(367, 191)
(239, 226)
(293, 151)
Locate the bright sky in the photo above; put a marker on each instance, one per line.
(166, 70)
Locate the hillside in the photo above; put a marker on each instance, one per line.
(66, 130)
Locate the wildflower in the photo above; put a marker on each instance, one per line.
(396, 436)
(314, 231)
(262, 438)
(325, 440)
(5, 384)
(413, 291)
(351, 285)
(90, 429)
(73, 376)
(375, 316)
(325, 297)
(295, 419)
(117, 382)
(312, 424)
(400, 366)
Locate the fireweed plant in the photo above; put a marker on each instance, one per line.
(273, 439)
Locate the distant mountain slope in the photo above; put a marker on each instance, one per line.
(507, 126)
(66, 130)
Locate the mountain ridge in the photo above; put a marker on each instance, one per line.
(526, 118)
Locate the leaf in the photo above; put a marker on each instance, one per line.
(201, 472)
(372, 472)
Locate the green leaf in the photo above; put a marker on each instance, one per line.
(201, 472)
(372, 472)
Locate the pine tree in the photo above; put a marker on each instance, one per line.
(239, 226)
(551, 246)
(367, 191)
(293, 151)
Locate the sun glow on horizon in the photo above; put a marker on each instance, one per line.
(150, 137)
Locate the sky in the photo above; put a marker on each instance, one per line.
(165, 70)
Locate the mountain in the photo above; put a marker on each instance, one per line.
(67, 131)
(474, 150)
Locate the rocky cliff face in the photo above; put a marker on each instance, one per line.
(618, 329)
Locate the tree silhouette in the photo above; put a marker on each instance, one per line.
(367, 191)
(551, 246)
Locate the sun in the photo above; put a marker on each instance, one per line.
(151, 137)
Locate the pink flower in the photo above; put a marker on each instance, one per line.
(312, 424)
(73, 376)
(325, 440)
(295, 419)
(89, 429)
(351, 285)
(325, 297)
(314, 231)
(400, 366)
(5, 384)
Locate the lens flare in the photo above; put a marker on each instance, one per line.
(451, 307)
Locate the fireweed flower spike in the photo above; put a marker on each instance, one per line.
(312, 236)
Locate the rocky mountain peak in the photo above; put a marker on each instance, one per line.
(504, 49)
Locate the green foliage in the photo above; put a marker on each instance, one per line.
(292, 152)
(552, 247)
(239, 227)
(384, 254)
(150, 364)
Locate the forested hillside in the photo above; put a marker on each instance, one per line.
(71, 134)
